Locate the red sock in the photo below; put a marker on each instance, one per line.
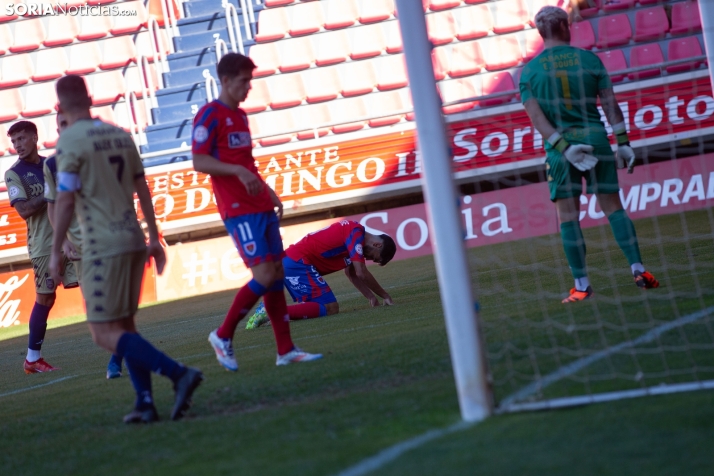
(244, 300)
(305, 310)
(279, 320)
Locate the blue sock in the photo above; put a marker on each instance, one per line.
(323, 310)
(116, 360)
(139, 352)
(38, 326)
(276, 286)
(141, 380)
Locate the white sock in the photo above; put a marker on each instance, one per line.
(33, 355)
(581, 284)
(637, 267)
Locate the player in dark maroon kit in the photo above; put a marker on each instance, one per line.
(342, 245)
(222, 147)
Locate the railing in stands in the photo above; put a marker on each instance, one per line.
(221, 48)
(170, 20)
(234, 33)
(211, 86)
(130, 102)
(158, 49)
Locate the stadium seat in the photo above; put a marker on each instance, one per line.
(436, 5)
(272, 24)
(651, 23)
(441, 27)
(611, 5)
(683, 48)
(258, 97)
(277, 3)
(466, 59)
(456, 89)
(266, 57)
(296, 54)
(51, 64)
(474, 2)
(274, 123)
(135, 83)
(367, 41)
(52, 135)
(440, 62)
(62, 30)
(685, 18)
(473, 22)
(375, 10)
(382, 104)
(306, 18)
(33, 34)
(332, 48)
(357, 78)
(16, 70)
(4, 17)
(502, 52)
(5, 143)
(5, 39)
(394, 37)
(40, 99)
(107, 87)
(614, 61)
(102, 2)
(348, 112)
(144, 47)
(492, 83)
(118, 52)
(391, 72)
(94, 27)
(286, 91)
(614, 30)
(83, 58)
(582, 35)
(645, 55)
(322, 84)
(534, 44)
(511, 15)
(313, 116)
(129, 23)
(340, 14)
(593, 10)
(104, 113)
(10, 104)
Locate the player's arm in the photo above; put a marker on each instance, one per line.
(363, 274)
(207, 164)
(276, 202)
(614, 116)
(147, 209)
(361, 286)
(27, 208)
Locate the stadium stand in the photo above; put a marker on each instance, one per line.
(16, 70)
(614, 61)
(583, 35)
(62, 30)
(646, 55)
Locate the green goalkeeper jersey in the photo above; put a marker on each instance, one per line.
(566, 82)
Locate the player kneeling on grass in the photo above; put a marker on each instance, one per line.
(98, 171)
(342, 245)
(222, 147)
(559, 89)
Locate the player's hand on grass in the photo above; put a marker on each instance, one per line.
(579, 155)
(626, 155)
(70, 251)
(388, 301)
(252, 183)
(373, 301)
(156, 251)
(56, 268)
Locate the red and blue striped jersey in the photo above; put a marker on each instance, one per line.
(331, 249)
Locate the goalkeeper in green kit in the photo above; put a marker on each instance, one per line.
(559, 89)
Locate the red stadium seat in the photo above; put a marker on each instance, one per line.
(51, 64)
(62, 30)
(357, 78)
(332, 48)
(10, 104)
(440, 62)
(502, 52)
(340, 14)
(52, 135)
(511, 15)
(94, 27)
(323, 84)
(258, 97)
(348, 112)
(614, 61)
(651, 23)
(683, 48)
(466, 59)
(40, 99)
(118, 52)
(391, 73)
(5, 39)
(145, 48)
(382, 104)
(367, 41)
(107, 87)
(493, 83)
(83, 58)
(32, 36)
(3, 13)
(473, 22)
(135, 83)
(275, 123)
(534, 44)
(306, 18)
(16, 70)
(277, 3)
(455, 90)
(441, 27)
(272, 24)
(394, 37)
(129, 23)
(645, 55)
(593, 10)
(474, 2)
(685, 18)
(104, 113)
(296, 54)
(375, 10)
(286, 91)
(436, 5)
(5, 143)
(611, 5)
(266, 57)
(582, 35)
(614, 30)
(312, 116)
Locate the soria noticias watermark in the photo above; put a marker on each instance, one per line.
(45, 9)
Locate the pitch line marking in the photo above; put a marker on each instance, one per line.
(27, 389)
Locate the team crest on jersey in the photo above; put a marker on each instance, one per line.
(250, 248)
(228, 121)
(320, 279)
(200, 134)
(358, 249)
(237, 140)
(13, 191)
(50, 283)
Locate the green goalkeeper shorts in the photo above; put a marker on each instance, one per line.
(565, 181)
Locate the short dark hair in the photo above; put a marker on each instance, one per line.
(549, 21)
(389, 248)
(72, 93)
(22, 126)
(233, 64)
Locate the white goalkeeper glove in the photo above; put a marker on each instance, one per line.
(577, 154)
(625, 154)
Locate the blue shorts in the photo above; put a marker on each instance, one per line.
(305, 284)
(257, 237)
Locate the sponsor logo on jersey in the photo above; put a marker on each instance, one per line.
(250, 248)
(200, 134)
(13, 191)
(228, 121)
(293, 280)
(238, 139)
(347, 261)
